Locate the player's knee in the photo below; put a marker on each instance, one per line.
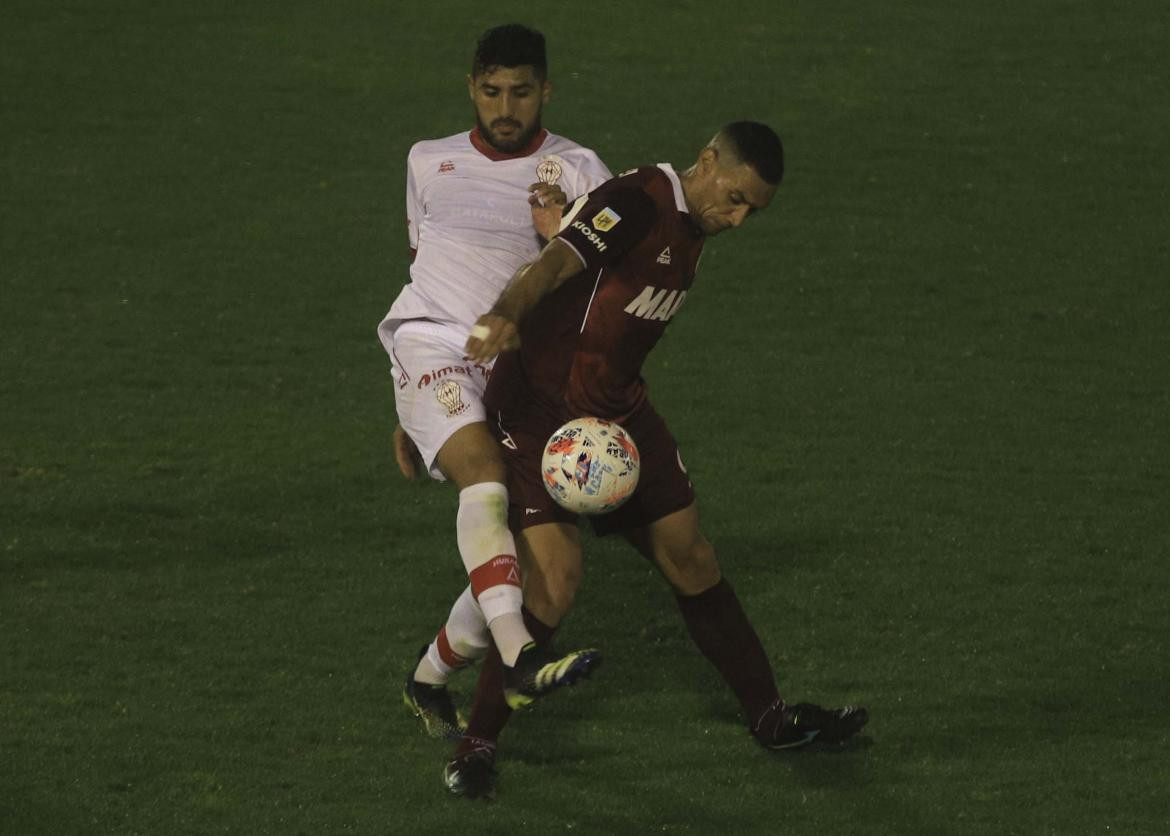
(477, 471)
(549, 592)
(694, 569)
(471, 457)
(562, 587)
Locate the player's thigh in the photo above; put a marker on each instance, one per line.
(551, 563)
(676, 545)
(471, 455)
(437, 395)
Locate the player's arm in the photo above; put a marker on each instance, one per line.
(498, 329)
(410, 463)
(547, 202)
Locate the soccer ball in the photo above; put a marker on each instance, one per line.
(590, 466)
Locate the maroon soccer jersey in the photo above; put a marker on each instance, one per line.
(582, 347)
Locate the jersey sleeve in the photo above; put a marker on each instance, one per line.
(603, 225)
(588, 175)
(414, 207)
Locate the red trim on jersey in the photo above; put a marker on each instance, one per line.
(450, 658)
(485, 148)
(501, 570)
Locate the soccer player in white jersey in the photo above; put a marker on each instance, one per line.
(478, 205)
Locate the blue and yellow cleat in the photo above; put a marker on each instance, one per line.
(539, 671)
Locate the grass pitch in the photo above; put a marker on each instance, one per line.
(924, 399)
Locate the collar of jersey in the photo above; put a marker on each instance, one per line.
(679, 200)
(482, 146)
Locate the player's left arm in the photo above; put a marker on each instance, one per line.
(498, 329)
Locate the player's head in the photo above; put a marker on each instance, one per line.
(736, 174)
(509, 85)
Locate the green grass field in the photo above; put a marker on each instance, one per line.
(925, 399)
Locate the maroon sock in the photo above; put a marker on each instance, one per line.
(489, 709)
(718, 625)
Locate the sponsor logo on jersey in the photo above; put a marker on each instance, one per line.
(549, 169)
(450, 395)
(656, 304)
(590, 236)
(446, 166)
(606, 219)
(664, 256)
(467, 371)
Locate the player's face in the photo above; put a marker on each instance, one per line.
(508, 102)
(728, 194)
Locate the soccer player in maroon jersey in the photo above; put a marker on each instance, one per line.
(572, 331)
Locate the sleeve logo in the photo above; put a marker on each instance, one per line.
(606, 219)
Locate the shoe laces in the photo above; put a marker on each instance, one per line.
(776, 709)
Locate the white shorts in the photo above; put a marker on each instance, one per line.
(436, 390)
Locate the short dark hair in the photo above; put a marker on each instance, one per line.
(510, 45)
(757, 145)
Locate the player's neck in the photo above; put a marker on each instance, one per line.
(687, 180)
(479, 141)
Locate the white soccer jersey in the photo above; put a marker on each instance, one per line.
(470, 223)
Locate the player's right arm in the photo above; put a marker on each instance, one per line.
(498, 329)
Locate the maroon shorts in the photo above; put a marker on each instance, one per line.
(663, 485)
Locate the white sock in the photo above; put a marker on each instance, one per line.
(489, 555)
(509, 632)
(463, 640)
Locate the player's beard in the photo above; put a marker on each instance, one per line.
(509, 146)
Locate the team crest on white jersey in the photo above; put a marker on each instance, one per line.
(549, 169)
(450, 395)
(446, 166)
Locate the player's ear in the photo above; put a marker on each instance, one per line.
(708, 159)
(546, 89)
(471, 87)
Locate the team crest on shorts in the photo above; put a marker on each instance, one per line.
(450, 395)
(549, 169)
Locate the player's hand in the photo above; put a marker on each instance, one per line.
(490, 335)
(406, 454)
(547, 202)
